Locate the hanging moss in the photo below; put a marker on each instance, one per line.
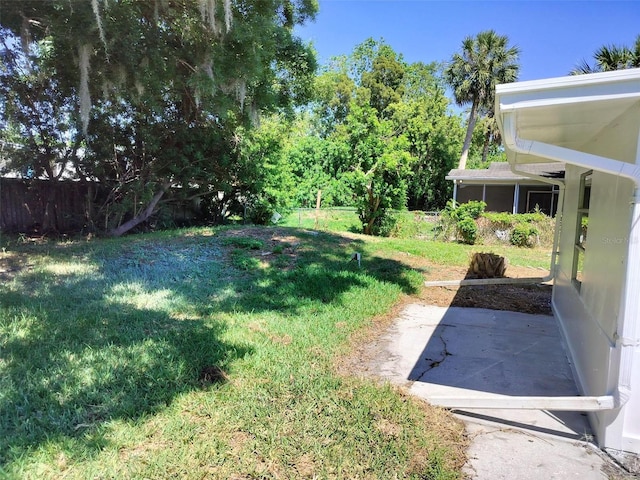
(84, 52)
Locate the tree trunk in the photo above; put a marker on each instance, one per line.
(485, 147)
(142, 216)
(467, 139)
(374, 203)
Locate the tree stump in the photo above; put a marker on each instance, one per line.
(488, 265)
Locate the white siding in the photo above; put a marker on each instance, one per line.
(589, 318)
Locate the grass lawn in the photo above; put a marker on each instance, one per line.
(339, 219)
(412, 226)
(209, 354)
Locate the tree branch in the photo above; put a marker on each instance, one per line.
(142, 216)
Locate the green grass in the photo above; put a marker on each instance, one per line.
(410, 224)
(414, 234)
(448, 253)
(104, 346)
(330, 219)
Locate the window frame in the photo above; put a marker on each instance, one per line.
(580, 240)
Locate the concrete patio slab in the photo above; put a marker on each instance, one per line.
(437, 351)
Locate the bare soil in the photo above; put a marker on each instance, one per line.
(534, 298)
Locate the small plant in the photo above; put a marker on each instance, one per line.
(468, 230)
(246, 243)
(524, 235)
(472, 209)
(462, 220)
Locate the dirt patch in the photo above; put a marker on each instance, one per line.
(532, 298)
(210, 374)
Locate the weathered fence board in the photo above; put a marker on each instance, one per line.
(40, 206)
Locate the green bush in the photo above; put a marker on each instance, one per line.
(508, 220)
(523, 235)
(460, 219)
(468, 230)
(385, 224)
(472, 209)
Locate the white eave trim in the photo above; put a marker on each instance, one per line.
(593, 79)
(560, 154)
(550, 102)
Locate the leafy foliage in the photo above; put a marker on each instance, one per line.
(468, 230)
(473, 73)
(379, 136)
(164, 89)
(506, 219)
(523, 235)
(459, 221)
(611, 57)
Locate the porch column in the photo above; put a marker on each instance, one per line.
(516, 197)
(455, 191)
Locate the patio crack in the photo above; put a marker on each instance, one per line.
(436, 362)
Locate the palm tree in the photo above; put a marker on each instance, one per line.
(611, 57)
(473, 73)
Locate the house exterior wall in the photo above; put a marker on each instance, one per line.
(589, 316)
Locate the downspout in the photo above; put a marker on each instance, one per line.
(628, 338)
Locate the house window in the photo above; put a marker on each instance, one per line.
(582, 226)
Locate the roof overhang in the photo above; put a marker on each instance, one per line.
(586, 120)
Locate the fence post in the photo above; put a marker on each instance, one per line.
(318, 208)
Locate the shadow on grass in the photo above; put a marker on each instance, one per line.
(122, 328)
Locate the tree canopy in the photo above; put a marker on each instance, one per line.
(611, 57)
(379, 135)
(483, 62)
(146, 95)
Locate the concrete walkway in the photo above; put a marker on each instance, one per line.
(443, 352)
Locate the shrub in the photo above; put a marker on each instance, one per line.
(468, 230)
(460, 219)
(472, 209)
(499, 226)
(385, 224)
(524, 235)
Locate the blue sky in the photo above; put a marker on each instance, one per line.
(553, 36)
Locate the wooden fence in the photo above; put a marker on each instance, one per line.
(40, 206)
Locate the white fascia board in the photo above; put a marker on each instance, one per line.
(617, 86)
(524, 181)
(604, 86)
(595, 81)
(551, 102)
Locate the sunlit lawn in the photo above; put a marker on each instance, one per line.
(207, 354)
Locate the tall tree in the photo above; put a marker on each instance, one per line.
(434, 135)
(379, 164)
(484, 61)
(611, 57)
(158, 88)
